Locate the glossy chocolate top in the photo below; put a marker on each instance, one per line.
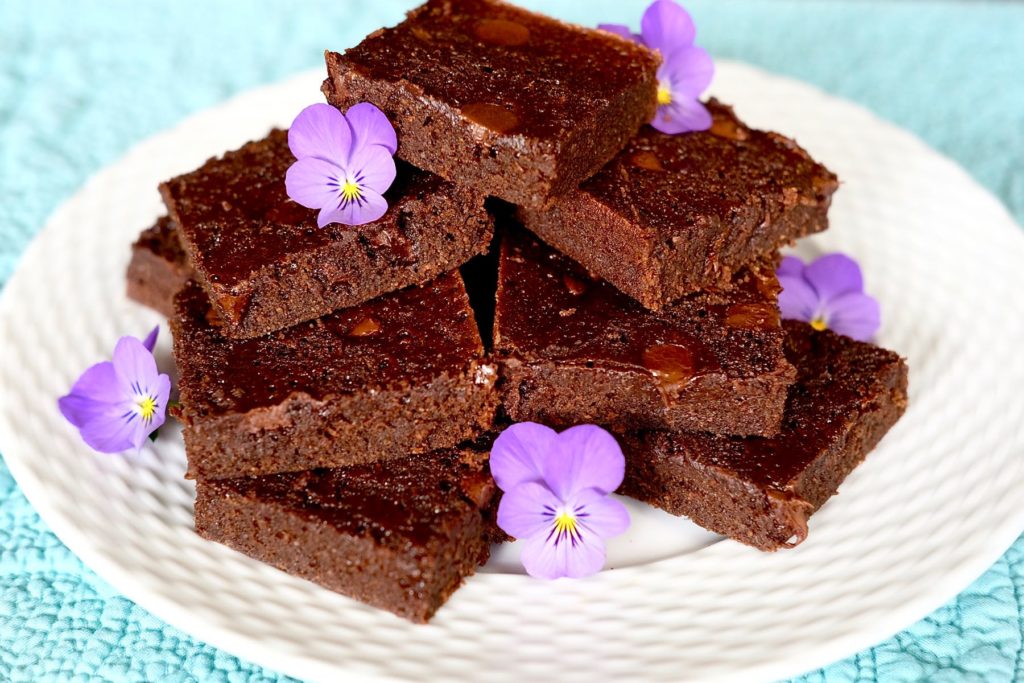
(409, 337)
(838, 379)
(549, 308)
(506, 69)
(400, 503)
(710, 174)
(234, 212)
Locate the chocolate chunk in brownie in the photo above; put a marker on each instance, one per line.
(761, 492)
(266, 265)
(674, 214)
(158, 267)
(401, 374)
(512, 103)
(576, 350)
(400, 535)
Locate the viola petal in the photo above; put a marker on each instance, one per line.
(93, 393)
(320, 131)
(163, 399)
(682, 116)
(791, 265)
(855, 314)
(370, 208)
(601, 514)
(112, 430)
(688, 70)
(374, 168)
(666, 26)
(150, 341)
(833, 275)
(370, 126)
(584, 456)
(521, 512)
(139, 433)
(79, 410)
(135, 367)
(518, 452)
(620, 30)
(314, 183)
(545, 557)
(797, 300)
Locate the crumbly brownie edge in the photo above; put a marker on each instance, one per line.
(711, 498)
(153, 278)
(447, 229)
(764, 518)
(561, 394)
(638, 264)
(152, 281)
(352, 566)
(303, 433)
(761, 228)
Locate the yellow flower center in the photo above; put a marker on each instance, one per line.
(147, 407)
(350, 192)
(664, 95)
(819, 324)
(565, 523)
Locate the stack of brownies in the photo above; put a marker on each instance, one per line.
(340, 386)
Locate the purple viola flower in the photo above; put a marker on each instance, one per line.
(685, 72)
(117, 404)
(556, 499)
(829, 294)
(345, 162)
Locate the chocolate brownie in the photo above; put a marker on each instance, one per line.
(576, 350)
(401, 374)
(762, 491)
(265, 263)
(400, 535)
(674, 214)
(158, 267)
(512, 103)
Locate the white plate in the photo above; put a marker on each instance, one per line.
(935, 505)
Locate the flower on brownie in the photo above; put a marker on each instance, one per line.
(685, 72)
(556, 500)
(828, 293)
(117, 404)
(345, 162)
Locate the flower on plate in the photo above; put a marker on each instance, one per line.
(345, 162)
(829, 294)
(117, 404)
(685, 72)
(556, 500)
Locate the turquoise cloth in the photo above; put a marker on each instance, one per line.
(81, 82)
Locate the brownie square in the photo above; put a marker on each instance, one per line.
(576, 350)
(674, 214)
(400, 535)
(401, 374)
(761, 492)
(158, 268)
(266, 265)
(512, 103)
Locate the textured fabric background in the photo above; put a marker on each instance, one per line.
(81, 82)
